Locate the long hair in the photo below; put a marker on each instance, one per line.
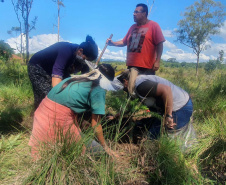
(106, 69)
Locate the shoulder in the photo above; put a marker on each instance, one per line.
(67, 48)
(132, 27)
(153, 24)
(63, 45)
(151, 78)
(98, 89)
(98, 94)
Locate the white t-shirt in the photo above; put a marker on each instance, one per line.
(180, 96)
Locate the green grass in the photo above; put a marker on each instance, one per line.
(15, 96)
(154, 162)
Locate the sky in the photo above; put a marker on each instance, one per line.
(100, 19)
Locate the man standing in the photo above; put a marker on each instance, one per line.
(144, 42)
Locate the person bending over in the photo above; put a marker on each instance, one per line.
(57, 113)
(165, 98)
(51, 65)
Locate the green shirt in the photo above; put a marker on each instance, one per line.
(78, 97)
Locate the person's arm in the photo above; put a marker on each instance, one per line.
(55, 81)
(79, 136)
(100, 136)
(153, 89)
(62, 60)
(98, 129)
(117, 43)
(165, 93)
(159, 49)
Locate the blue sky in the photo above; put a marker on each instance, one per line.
(99, 19)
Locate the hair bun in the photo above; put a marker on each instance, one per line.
(89, 39)
(90, 48)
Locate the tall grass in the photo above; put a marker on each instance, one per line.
(147, 162)
(15, 96)
(64, 163)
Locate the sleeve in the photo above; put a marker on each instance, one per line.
(64, 55)
(157, 34)
(98, 102)
(147, 89)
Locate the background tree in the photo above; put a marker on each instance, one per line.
(19, 46)
(221, 56)
(201, 20)
(210, 66)
(173, 60)
(59, 5)
(22, 9)
(5, 51)
(183, 64)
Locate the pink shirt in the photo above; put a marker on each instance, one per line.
(141, 44)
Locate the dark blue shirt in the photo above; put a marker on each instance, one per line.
(56, 59)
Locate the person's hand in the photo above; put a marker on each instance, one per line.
(109, 42)
(169, 123)
(156, 65)
(109, 118)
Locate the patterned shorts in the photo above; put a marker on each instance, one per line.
(41, 83)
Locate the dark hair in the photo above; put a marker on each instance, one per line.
(90, 48)
(145, 8)
(106, 69)
(124, 76)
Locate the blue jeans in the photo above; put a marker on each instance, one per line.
(181, 117)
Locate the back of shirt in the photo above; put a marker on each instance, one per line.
(79, 97)
(56, 58)
(180, 96)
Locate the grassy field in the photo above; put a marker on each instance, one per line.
(148, 162)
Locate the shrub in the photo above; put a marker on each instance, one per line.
(5, 51)
(210, 66)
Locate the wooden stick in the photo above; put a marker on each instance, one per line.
(98, 60)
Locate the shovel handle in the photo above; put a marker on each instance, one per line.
(98, 60)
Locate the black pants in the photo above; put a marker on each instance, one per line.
(144, 71)
(41, 83)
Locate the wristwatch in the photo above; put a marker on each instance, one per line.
(169, 116)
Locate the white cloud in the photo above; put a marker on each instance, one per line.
(223, 31)
(170, 50)
(213, 51)
(114, 55)
(169, 45)
(36, 43)
(180, 55)
(173, 52)
(39, 42)
(167, 33)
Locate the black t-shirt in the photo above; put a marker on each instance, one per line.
(148, 89)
